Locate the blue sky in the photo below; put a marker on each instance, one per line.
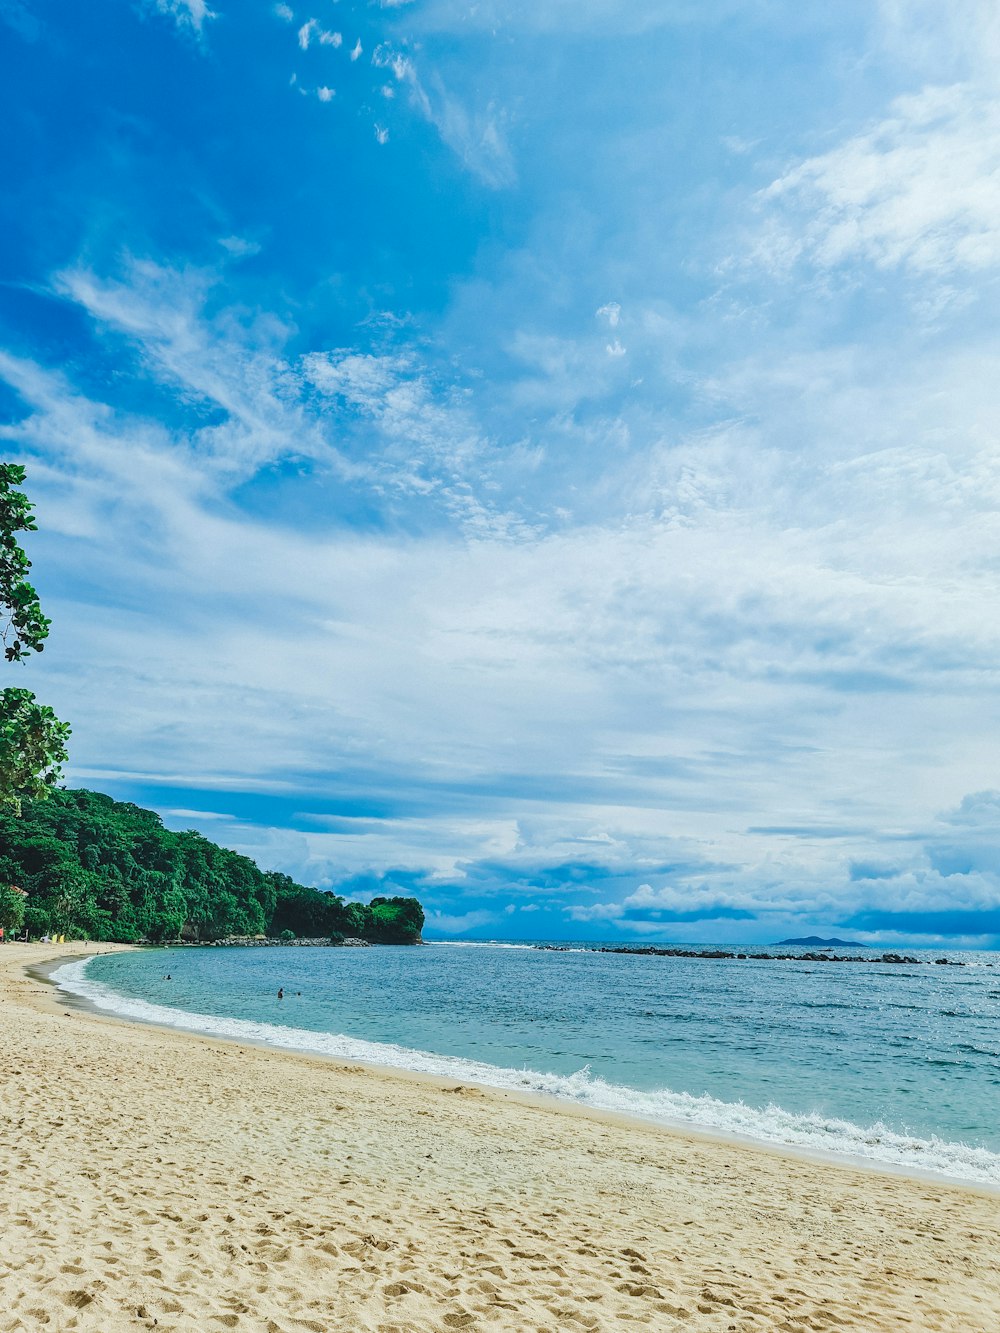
(542, 457)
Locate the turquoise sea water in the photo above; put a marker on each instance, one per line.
(898, 1064)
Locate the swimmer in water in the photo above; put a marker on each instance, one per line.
(281, 993)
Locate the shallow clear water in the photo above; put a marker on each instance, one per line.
(895, 1063)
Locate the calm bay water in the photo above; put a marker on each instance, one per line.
(894, 1063)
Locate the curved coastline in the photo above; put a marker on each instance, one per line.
(771, 1129)
(264, 1188)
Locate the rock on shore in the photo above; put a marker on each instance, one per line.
(265, 942)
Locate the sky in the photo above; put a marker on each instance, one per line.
(541, 457)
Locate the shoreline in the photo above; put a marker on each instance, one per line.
(672, 1126)
(255, 1188)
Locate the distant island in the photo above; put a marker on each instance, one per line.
(817, 942)
(83, 865)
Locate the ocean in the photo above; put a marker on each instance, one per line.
(894, 1064)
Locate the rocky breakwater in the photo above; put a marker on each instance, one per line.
(266, 942)
(657, 951)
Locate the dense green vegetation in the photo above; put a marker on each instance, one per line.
(100, 869)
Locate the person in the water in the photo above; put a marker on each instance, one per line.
(281, 992)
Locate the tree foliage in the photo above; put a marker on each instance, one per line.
(107, 870)
(23, 628)
(32, 747)
(32, 739)
(11, 908)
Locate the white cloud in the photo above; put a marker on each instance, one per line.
(306, 32)
(284, 12)
(919, 191)
(452, 924)
(356, 50)
(200, 815)
(979, 809)
(237, 368)
(435, 847)
(401, 66)
(476, 136)
(239, 246)
(597, 912)
(607, 18)
(943, 41)
(186, 13)
(381, 134)
(430, 439)
(327, 38)
(709, 897)
(360, 377)
(612, 312)
(326, 94)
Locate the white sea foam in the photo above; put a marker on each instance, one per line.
(506, 944)
(772, 1124)
(477, 944)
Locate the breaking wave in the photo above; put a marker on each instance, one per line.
(814, 1132)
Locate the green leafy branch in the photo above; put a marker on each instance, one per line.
(25, 628)
(32, 739)
(32, 747)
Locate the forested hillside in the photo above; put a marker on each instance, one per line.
(100, 869)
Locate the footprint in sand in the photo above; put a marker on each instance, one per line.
(639, 1289)
(398, 1289)
(77, 1299)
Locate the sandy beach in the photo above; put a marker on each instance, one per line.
(153, 1179)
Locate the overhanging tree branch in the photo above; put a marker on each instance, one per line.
(32, 739)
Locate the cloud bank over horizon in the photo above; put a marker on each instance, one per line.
(534, 459)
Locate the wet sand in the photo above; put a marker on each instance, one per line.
(156, 1179)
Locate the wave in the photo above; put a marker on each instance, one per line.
(507, 944)
(772, 1124)
(477, 944)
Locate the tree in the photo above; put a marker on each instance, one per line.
(11, 907)
(32, 747)
(32, 739)
(395, 920)
(25, 629)
(99, 869)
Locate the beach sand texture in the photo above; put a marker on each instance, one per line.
(150, 1178)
